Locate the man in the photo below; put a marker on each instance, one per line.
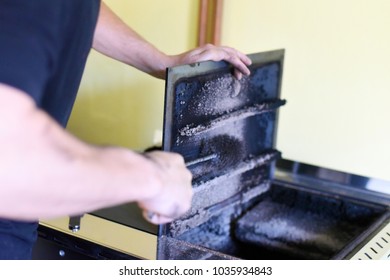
(44, 171)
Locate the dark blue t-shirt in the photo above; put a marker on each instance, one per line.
(44, 45)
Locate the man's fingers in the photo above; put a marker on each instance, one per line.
(237, 74)
(239, 60)
(155, 218)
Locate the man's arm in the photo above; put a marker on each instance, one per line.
(117, 40)
(46, 172)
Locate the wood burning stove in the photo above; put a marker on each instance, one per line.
(248, 203)
(240, 209)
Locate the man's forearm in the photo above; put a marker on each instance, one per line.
(118, 41)
(46, 172)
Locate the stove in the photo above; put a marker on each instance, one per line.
(241, 209)
(249, 202)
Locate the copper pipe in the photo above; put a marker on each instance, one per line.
(203, 19)
(217, 22)
(210, 21)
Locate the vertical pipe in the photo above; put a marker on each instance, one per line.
(217, 21)
(203, 19)
(210, 20)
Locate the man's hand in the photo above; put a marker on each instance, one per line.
(45, 172)
(175, 196)
(210, 52)
(119, 41)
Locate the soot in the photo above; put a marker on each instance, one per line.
(228, 150)
(301, 225)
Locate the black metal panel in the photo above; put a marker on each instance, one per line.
(55, 245)
(209, 113)
(128, 214)
(239, 210)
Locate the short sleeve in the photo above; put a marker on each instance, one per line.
(27, 46)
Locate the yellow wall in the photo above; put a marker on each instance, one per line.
(336, 79)
(118, 105)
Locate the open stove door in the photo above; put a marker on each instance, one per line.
(225, 129)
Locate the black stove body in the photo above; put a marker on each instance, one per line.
(226, 130)
(248, 202)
